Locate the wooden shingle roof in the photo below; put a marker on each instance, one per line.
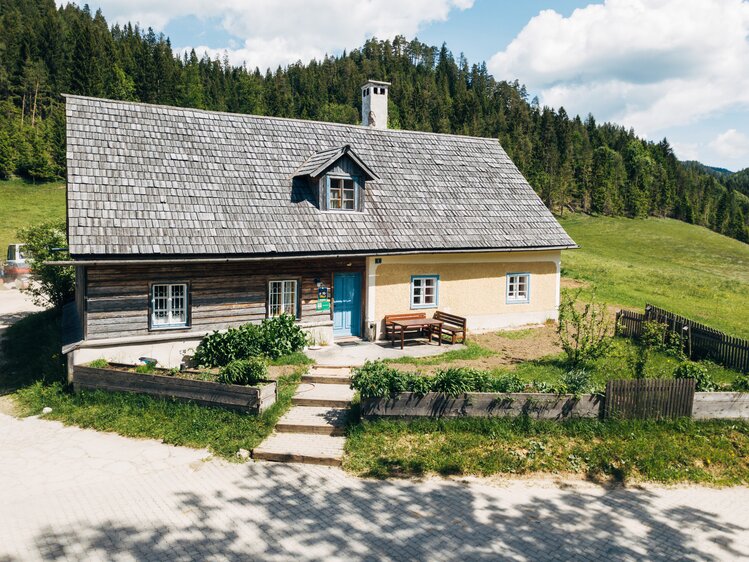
(147, 180)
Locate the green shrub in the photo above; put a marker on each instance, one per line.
(506, 382)
(657, 335)
(741, 384)
(244, 371)
(583, 329)
(53, 285)
(273, 338)
(100, 363)
(455, 381)
(692, 370)
(419, 384)
(281, 335)
(577, 381)
(377, 380)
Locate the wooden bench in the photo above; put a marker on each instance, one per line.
(390, 318)
(452, 325)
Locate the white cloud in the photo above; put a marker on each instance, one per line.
(649, 64)
(731, 145)
(282, 32)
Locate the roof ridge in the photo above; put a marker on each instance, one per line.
(274, 118)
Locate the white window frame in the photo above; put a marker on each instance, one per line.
(514, 292)
(284, 305)
(417, 301)
(176, 316)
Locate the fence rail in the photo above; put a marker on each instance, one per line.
(649, 398)
(700, 341)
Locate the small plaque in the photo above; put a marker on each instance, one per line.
(323, 305)
(322, 292)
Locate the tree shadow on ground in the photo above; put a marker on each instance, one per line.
(281, 512)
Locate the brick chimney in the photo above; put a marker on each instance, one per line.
(374, 104)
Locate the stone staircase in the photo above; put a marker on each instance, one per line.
(312, 431)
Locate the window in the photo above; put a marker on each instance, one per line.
(518, 287)
(169, 305)
(282, 297)
(424, 291)
(342, 194)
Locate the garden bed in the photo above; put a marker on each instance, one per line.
(720, 405)
(484, 405)
(180, 386)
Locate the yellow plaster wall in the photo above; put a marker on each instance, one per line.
(467, 287)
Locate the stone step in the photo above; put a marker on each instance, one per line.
(302, 448)
(327, 378)
(322, 394)
(314, 420)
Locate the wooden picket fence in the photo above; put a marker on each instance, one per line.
(700, 341)
(649, 398)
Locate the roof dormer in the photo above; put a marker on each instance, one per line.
(338, 177)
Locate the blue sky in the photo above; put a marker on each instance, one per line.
(673, 68)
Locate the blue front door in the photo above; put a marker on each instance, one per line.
(346, 304)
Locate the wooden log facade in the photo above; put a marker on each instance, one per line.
(220, 295)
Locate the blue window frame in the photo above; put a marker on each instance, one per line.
(425, 291)
(518, 288)
(342, 193)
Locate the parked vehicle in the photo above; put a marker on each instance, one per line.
(15, 266)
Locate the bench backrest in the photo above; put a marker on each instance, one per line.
(450, 319)
(411, 316)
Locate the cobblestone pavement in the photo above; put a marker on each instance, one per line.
(72, 494)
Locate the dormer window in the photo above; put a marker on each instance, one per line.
(343, 194)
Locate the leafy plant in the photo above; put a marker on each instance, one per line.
(273, 338)
(584, 330)
(455, 381)
(419, 384)
(741, 384)
(244, 371)
(52, 285)
(657, 335)
(377, 380)
(692, 370)
(146, 368)
(100, 363)
(577, 381)
(505, 382)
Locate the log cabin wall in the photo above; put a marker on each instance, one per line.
(220, 294)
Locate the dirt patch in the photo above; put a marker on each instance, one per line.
(8, 406)
(510, 347)
(569, 283)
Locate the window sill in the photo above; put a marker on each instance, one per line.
(527, 301)
(423, 306)
(166, 328)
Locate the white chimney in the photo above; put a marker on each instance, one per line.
(374, 104)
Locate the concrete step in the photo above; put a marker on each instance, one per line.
(314, 420)
(302, 448)
(322, 394)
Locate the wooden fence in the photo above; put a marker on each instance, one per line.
(700, 341)
(649, 398)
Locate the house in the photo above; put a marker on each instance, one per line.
(183, 221)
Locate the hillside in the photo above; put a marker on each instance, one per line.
(22, 204)
(678, 266)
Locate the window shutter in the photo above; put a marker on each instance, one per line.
(359, 193)
(324, 187)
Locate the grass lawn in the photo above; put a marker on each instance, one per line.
(223, 432)
(23, 204)
(714, 452)
(681, 267)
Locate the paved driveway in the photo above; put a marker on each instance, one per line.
(71, 494)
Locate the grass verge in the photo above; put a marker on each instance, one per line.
(223, 432)
(711, 452)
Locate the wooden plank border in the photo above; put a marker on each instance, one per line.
(244, 398)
